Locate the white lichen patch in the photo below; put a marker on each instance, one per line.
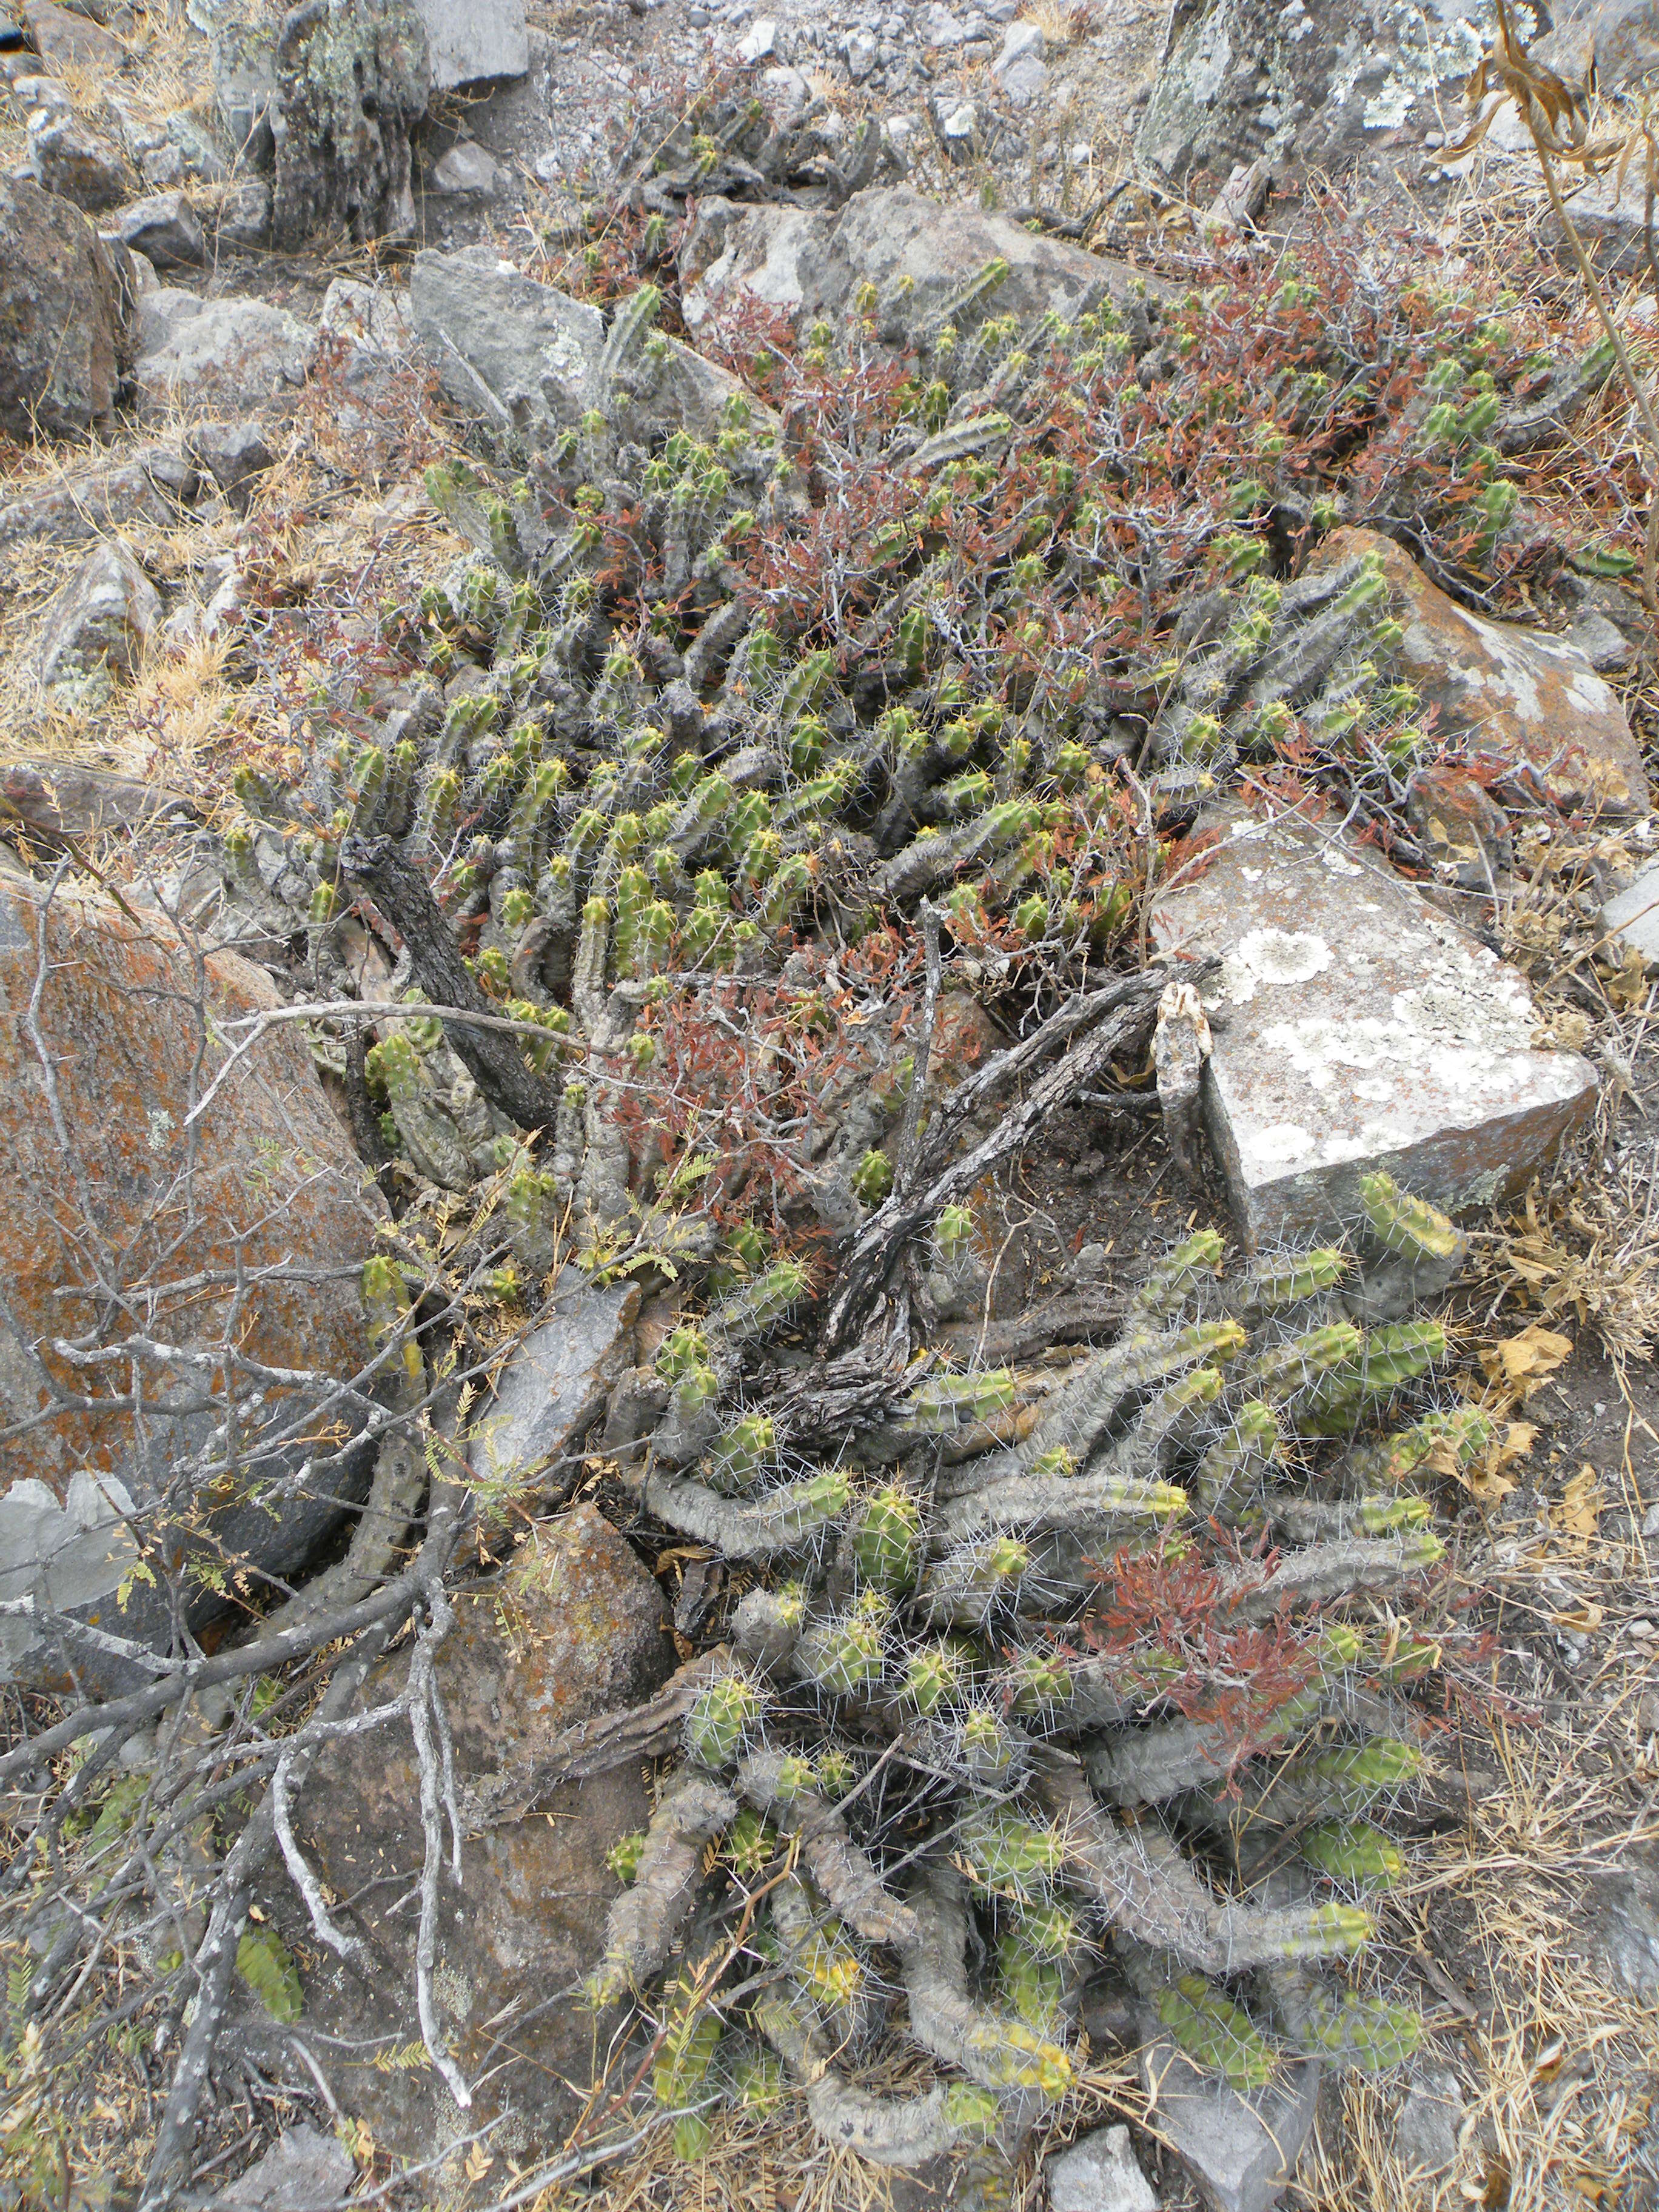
(1268, 959)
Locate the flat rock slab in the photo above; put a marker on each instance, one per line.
(558, 1380)
(1354, 1028)
(1241, 2152)
(1518, 697)
(196, 353)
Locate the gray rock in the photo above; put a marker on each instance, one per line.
(1634, 914)
(65, 39)
(216, 353)
(573, 1628)
(1425, 2133)
(64, 318)
(371, 315)
(1020, 39)
(1602, 643)
(557, 1383)
(1625, 1920)
(960, 131)
(244, 61)
(352, 81)
(100, 621)
(244, 215)
(468, 40)
(938, 26)
(465, 169)
(234, 454)
(1626, 36)
(1099, 2173)
(1021, 79)
(525, 356)
(860, 52)
(164, 230)
(758, 41)
(1302, 82)
(1355, 1027)
(809, 261)
(69, 157)
(96, 501)
(302, 2172)
(1240, 2151)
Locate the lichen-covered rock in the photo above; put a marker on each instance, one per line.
(63, 332)
(1315, 84)
(71, 39)
(353, 79)
(69, 157)
(557, 1380)
(473, 40)
(528, 358)
(125, 1221)
(244, 60)
(1518, 698)
(808, 262)
(100, 621)
(150, 488)
(232, 352)
(1355, 1028)
(575, 1628)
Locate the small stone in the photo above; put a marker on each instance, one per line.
(163, 167)
(861, 52)
(698, 18)
(757, 41)
(1240, 2151)
(165, 229)
(235, 455)
(1022, 80)
(99, 622)
(1625, 1905)
(901, 128)
(1020, 39)
(1627, 36)
(69, 157)
(1354, 1027)
(1634, 914)
(939, 27)
(786, 88)
(1099, 2173)
(1460, 826)
(558, 1381)
(1602, 643)
(960, 130)
(466, 170)
(1426, 2133)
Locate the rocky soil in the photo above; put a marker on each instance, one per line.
(994, 663)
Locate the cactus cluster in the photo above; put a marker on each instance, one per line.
(923, 1767)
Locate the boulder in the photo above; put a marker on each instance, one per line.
(127, 1231)
(1240, 2151)
(99, 624)
(808, 262)
(1354, 1027)
(65, 39)
(164, 230)
(69, 157)
(64, 336)
(574, 1628)
(216, 353)
(469, 41)
(1516, 697)
(1312, 83)
(557, 1383)
(353, 79)
(526, 356)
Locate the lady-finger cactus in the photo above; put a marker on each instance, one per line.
(721, 1720)
(1219, 2034)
